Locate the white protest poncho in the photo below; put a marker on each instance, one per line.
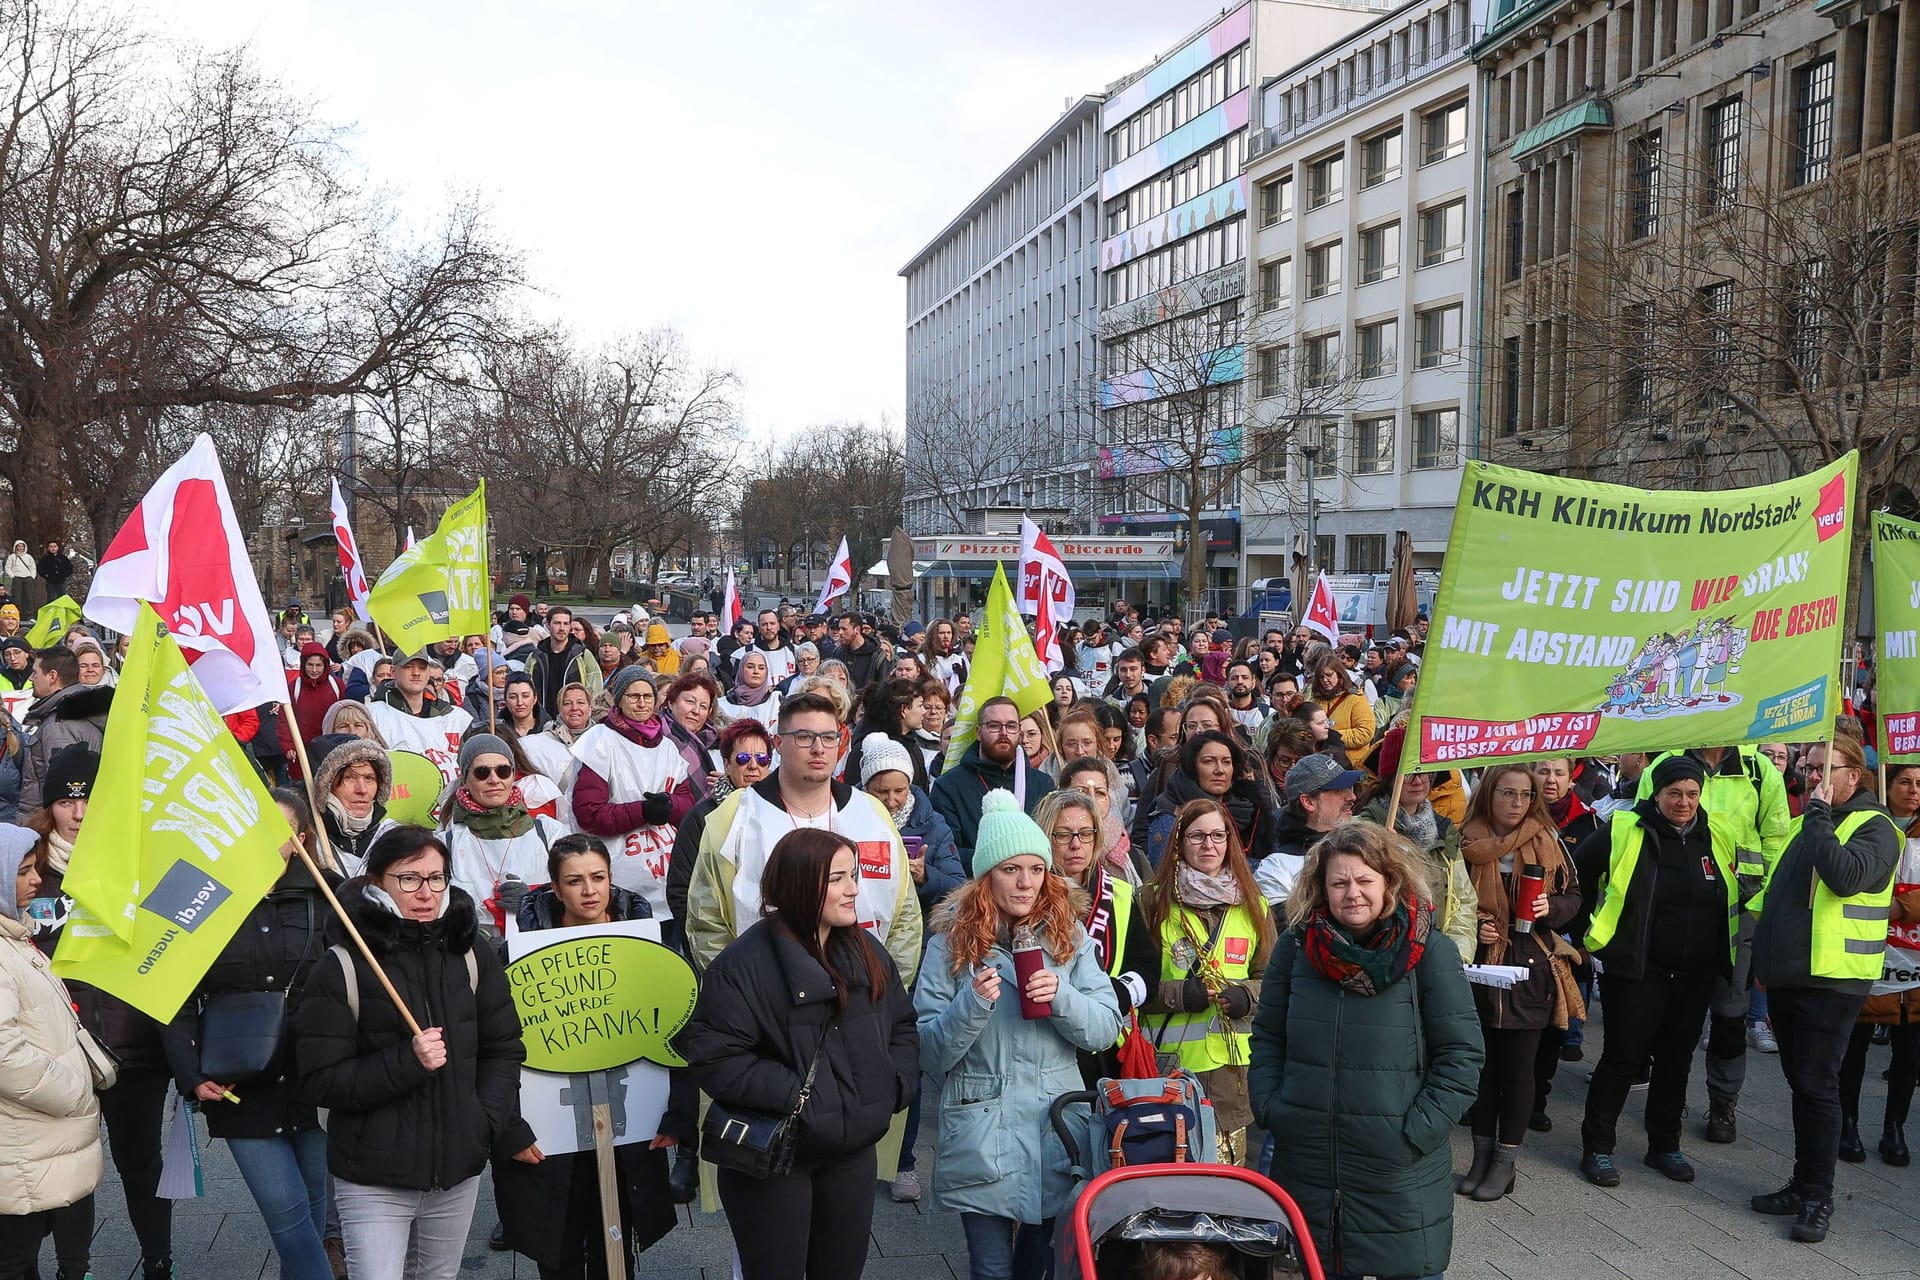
(766, 711)
(759, 825)
(640, 856)
(435, 737)
(478, 866)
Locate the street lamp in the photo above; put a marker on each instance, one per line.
(1311, 452)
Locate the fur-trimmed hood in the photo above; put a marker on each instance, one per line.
(75, 702)
(386, 933)
(356, 751)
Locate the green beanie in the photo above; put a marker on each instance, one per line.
(1007, 832)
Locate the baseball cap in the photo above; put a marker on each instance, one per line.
(1319, 773)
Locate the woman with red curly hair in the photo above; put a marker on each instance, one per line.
(1008, 1050)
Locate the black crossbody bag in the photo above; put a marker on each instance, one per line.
(753, 1142)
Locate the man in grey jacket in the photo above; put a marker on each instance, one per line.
(64, 711)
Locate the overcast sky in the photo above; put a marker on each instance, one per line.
(753, 174)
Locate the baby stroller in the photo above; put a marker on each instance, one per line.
(1150, 1142)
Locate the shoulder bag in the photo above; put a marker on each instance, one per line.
(753, 1142)
(242, 1032)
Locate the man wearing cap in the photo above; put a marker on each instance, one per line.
(1319, 798)
(409, 720)
(64, 711)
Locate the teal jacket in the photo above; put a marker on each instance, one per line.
(1361, 1094)
(997, 1153)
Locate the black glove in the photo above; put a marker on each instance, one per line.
(1236, 1000)
(511, 893)
(1193, 996)
(655, 808)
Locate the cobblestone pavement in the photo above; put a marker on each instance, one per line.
(1554, 1226)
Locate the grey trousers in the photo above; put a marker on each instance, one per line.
(395, 1234)
(1727, 1023)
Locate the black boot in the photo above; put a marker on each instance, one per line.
(498, 1240)
(1477, 1171)
(156, 1269)
(1784, 1203)
(1852, 1150)
(1816, 1215)
(1893, 1145)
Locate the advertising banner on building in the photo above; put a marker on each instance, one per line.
(1577, 618)
(1896, 612)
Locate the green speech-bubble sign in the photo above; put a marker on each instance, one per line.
(593, 1004)
(416, 789)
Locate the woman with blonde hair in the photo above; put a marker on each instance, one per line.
(350, 718)
(1366, 1052)
(1007, 1049)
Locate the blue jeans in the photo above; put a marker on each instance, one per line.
(1757, 1005)
(287, 1175)
(1002, 1249)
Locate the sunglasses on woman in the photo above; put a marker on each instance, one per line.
(481, 772)
(761, 758)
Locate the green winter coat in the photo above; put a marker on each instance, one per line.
(1361, 1094)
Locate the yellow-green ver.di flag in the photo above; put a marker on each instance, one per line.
(1896, 616)
(439, 587)
(53, 621)
(180, 841)
(1004, 665)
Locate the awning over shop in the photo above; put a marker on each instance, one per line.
(1155, 571)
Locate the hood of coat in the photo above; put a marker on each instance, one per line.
(356, 751)
(389, 934)
(75, 702)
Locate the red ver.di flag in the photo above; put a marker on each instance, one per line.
(1046, 591)
(352, 569)
(181, 551)
(839, 578)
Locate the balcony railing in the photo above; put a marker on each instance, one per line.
(1395, 75)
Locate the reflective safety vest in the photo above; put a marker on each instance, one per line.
(1206, 1040)
(1850, 934)
(1122, 913)
(1628, 838)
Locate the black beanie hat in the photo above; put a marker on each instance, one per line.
(1678, 768)
(70, 774)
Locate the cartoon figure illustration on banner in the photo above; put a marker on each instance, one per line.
(1679, 674)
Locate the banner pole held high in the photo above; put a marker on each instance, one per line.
(306, 776)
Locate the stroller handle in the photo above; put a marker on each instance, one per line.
(1057, 1117)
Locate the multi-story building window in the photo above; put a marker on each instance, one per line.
(1807, 327)
(1320, 359)
(1323, 434)
(1323, 269)
(1717, 364)
(1372, 445)
(1379, 252)
(1510, 352)
(1436, 439)
(1637, 379)
(1516, 233)
(1270, 454)
(1643, 196)
(1366, 553)
(1380, 158)
(1276, 284)
(1723, 155)
(1276, 201)
(1438, 334)
(1813, 121)
(1443, 233)
(1379, 348)
(1443, 133)
(1326, 179)
(1270, 364)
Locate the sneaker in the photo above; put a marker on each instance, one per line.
(1540, 1122)
(1784, 1203)
(905, 1188)
(1597, 1168)
(1670, 1163)
(1810, 1224)
(1721, 1121)
(497, 1240)
(1760, 1036)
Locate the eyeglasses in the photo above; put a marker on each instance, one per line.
(1510, 795)
(761, 758)
(410, 882)
(808, 740)
(1003, 728)
(481, 772)
(1207, 838)
(1071, 838)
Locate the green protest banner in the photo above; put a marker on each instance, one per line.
(1577, 618)
(597, 1003)
(1896, 615)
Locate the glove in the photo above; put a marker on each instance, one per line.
(1236, 1000)
(655, 808)
(511, 893)
(1187, 996)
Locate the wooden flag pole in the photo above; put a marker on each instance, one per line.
(1400, 773)
(306, 776)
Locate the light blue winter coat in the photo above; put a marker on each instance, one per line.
(997, 1154)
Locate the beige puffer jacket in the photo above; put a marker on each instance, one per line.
(49, 1116)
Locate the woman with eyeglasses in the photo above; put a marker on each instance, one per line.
(1818, 948)
(1210, 924)
(626, 768)
(1077, 825)
(496, 846)
(413, 1119)
(1509, 831)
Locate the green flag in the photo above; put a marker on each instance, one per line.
(1004, 665)
(1896, 624)
(180, 841)
(50, 625)
(1578, 619)
(439, 587)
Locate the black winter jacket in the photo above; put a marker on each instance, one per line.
(394, 1123)
(274, 949)
(1669, 883)
(765, 1006)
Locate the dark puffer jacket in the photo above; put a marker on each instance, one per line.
(765, 1005)
(394, 1123)
(1364, 1092)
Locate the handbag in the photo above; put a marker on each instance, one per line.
(102, 1066)
(753, 1142)
(241, 1034)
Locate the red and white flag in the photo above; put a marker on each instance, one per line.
(839, 578)
(1045, 591)
(351, 567)
(1321, 614)
(182, 551)
(730, 602)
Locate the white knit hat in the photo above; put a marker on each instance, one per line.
(880, 753)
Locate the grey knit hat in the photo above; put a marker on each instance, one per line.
(482, 744)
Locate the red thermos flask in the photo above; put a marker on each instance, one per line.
(1028, 960)
(1533, 881)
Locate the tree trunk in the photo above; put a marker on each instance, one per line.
(40, 496)
(1194, 608)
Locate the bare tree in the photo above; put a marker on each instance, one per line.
(959, 446)
(176, 231)
(824, 483)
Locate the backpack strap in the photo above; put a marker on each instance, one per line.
(351, 973)
(473, 972)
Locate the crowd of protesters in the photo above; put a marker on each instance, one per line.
(1211, 843)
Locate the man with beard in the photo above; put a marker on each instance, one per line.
(559, 662)
(1244, 703)
(987, 766)
(1320, 798)
(775, 645)
(867, 660)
